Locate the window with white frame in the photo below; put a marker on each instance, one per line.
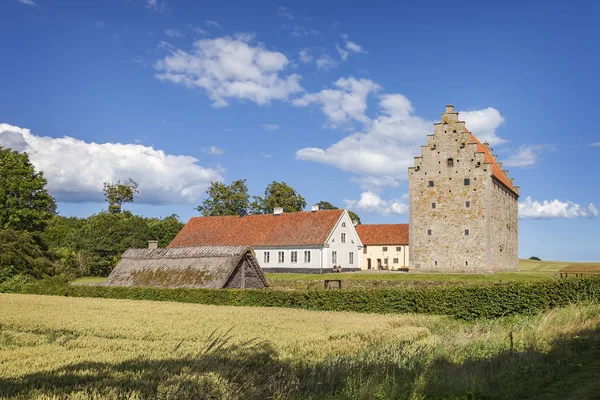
(343, 224)
(351, 258)
(384, 248)
(267, 257)
(398, 248)
(334, 257)
(395, 261)
(343, 237)
(306, 256)
(281, 257)
(294, 256)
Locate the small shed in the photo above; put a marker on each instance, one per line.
(209, 267)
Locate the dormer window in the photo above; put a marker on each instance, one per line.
(450, 162)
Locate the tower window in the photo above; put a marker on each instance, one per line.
(467, 182)
(466, 263)
(466, 232)
(450, 162)
(467, 204)
(430, 183)
(436, 263)
(429, 232)
(432, 205)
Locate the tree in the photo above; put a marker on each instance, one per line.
(278, 194)
(25, 204)
(164, 230)
(116, 194)
(325, 205)
(225, 199)
(20, 254)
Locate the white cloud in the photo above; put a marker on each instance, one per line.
(99, 24)
(305, 56)
(375, 183)
(271, 127)
(371, 203)
(386, 146)
(174, 33)
(283, 12)
(349, 47)
(213, 150)
(326, 62)
(526, 156)
(343, 52)
(28, 2)
(76, 170)
(346, 103)
(197, 30)
(212, 23)
(265, 155)
(229, 67)
(596, 144)
(483, 124)
(156, 6)
(554, 209)
(354, 47)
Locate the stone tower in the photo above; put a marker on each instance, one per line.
(463, 206)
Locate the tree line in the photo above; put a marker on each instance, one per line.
(37, 242)
(231, 199)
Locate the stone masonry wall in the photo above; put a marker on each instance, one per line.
(504, 244)
(490, 217)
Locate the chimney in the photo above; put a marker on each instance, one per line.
(153, 244)
(315, 208)
(449, 108)
(278, 210)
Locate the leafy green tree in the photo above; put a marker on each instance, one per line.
(164, 230)
(278, 194)
(116, 194)
(21, 254)
(325, 205)
(25, 204)
(225, 199)
(106, 236)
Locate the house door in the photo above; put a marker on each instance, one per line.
(368, 263)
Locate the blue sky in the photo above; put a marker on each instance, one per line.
(333, 98)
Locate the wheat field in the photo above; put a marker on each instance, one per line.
(78, 348)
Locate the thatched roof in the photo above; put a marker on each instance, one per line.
(184, 267)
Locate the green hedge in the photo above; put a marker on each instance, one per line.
(466, 302)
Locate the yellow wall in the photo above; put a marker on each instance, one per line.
(376, 252)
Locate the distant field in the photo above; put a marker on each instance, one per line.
(77, 348)
(555, 266)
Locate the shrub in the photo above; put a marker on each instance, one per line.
(467, 302)
(535, 258)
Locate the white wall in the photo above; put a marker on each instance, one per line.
(343, 250)
(315, 257)
(375, 252)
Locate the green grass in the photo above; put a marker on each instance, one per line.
(90, 280)
(52, 347)
(529, 271)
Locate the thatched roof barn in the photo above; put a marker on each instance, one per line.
(212, 267)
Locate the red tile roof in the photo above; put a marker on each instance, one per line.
(383, 234)
(287, 229)
(488, 158)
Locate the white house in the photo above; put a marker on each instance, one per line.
(305, 242)
(385, 246)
